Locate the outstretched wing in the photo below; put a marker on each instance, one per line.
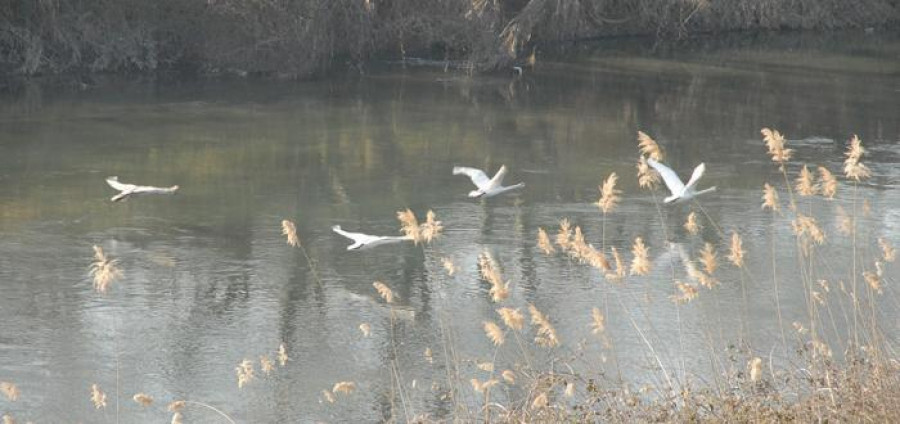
(476, 175)
(695, 177)
(497, 181)
(114, 183)
(668, 175)
(349, 235)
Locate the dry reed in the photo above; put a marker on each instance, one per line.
(649, 147)
(8, 419)
(177, 418)
(509, 376)
(344, 387)
(691, 224)
(424, 232)
(176, 406)
(806, 183)
(384, 291)
(244, 372)
(512, 318)
(494, 332)
(598, 321)
(266, 364)
(546, 334)
(366, 329)
(329, 397)
(887, 251)
(282, 355)
(98, 398)
(736, 250)
(609, 195)
(544, 242)
(754, 369)
(103, 270)
(686, 292)
(481, 387)
(10, 390)
(143, 399)
(709, 258)
(829, 183)
(618, 273)
(490, 272)
(853, 168)
(289, 230)
(564, 236)
(640, 265)
(648, 178)
(775, 143)
(448, 266)
(770, 198)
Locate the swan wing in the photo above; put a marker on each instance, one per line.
(497, 181)
(356, 237)
(476, 175)
(695, 177)
(114, 183)
(668, 175)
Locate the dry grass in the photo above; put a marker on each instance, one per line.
(245, 373)
(494, 332)
(289, 230)
(546, 333)
(98, 398)
(640, 265)
(10, 390)
(103, 270)
(691, 225)
(490, 272)
(609, 194)
(143, 399)
(736, 251)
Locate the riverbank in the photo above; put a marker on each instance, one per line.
(305, 38)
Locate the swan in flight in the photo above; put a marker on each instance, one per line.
(487, 187)
(127, 190)
(365, 241)
(680, 191)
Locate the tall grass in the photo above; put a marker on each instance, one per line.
(303, 37)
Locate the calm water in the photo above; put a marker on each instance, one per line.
(208, 279)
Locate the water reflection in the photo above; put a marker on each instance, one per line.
(209, 280)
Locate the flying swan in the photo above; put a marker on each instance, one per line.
(486, 187)
(680, 191)
(366, 241)
(126, 190)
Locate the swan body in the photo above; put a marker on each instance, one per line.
(487, 187)
(680, 191)
(127, 190)
(365, 241)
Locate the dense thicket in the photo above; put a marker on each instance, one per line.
(300, 37)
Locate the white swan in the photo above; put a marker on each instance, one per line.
(365, 241)
(486, 187)
(680, 191)
(131, 189)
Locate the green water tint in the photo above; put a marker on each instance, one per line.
(209, 280)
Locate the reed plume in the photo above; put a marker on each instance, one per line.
(509, 376)
(384, 291)
(490, 272)
(10, 390)
(887, 251)
(244, 372)
(754, 367)
(540, 401)
(448, 266)
(619, 273)
(873, 280)
(829, 183)
(266, 364)
(329, 397)
(486, 366)
(546, 334)
(98, 398)
(686, 292)
(494, 332)
(177, 418)
(691, 224)
(775, 143)
(425, 232)
(290, 231)
(845, 222)
(544, 242)
(564, 236)
(709, 258)
(282, 355)
(853, 168)
(770, 198)
(570, 389)
(143, 399)
(640, 265)
(609, 195)
(345, 387)
(648, 178)
(8, 419)
(807, 231)
(429, 355)
(806, 183)
(176, 406)
(512, 318)
(366, 329)
(598, 321)
(649, 147)
(480, 387)
(736, 252)
(103, 270)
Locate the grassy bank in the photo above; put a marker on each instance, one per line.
(301, 38)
